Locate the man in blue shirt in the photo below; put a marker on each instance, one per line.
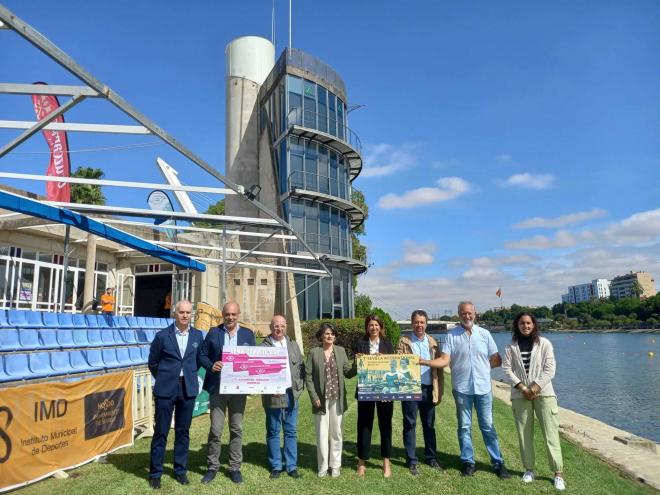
(472, 352)
(426, 347)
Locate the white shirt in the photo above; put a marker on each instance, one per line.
(374, 346)
(182, 341)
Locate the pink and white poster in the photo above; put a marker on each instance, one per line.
(255, 370)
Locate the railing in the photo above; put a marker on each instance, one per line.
(307, 62)
(325, 244)
(143, 408)
(309, 119)
(319, 183)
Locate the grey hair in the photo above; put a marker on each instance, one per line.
(465, 303)
(178, 303)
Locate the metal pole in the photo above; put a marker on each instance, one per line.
(65, 267)
(223, 282)
(290, 45)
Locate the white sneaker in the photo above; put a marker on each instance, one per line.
(322, 474)
(335, 473)
(528, 477)
(559, 483)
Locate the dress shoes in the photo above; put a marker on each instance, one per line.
(501, 472)
(436, 465)
(209, 476)
(182, 479)
(275, 473)
(235, 477)
(294, 474)
(154, 483)
(468, 469)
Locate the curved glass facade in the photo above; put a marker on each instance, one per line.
(306, 164)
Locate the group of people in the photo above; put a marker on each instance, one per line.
(469, 350)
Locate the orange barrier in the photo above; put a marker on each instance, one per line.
(48, 427)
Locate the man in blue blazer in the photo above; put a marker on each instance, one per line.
(230, 334)
(173, 363)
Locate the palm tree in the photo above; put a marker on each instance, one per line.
(636, 289)
(87, 194)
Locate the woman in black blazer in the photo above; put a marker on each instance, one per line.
(374, 342)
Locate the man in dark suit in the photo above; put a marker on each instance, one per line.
(173, 363)
(230, 334)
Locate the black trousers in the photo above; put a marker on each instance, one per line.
(365, 422)
(426, 410)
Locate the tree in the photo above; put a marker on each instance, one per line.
(359, 249)
(636, 289)
(362, 305)
(215, 209)
(392, 330)
(87, 194)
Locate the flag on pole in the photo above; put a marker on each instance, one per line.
(59, 149)
(499, 292)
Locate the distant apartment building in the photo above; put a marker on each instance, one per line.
(598, 289)
(625, 285)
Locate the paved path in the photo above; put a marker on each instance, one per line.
(598, 438)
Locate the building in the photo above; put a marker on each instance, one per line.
(288, 135)
(633, 284)
(598, 289)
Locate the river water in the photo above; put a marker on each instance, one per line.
(607, 376)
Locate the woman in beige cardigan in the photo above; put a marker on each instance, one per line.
(529, 366)
(325, 370)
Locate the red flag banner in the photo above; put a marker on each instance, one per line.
(59, 149)
(499, 293)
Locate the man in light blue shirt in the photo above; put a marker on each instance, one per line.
(472, 352)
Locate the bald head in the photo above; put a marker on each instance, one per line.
(230, 313)
(278, 327)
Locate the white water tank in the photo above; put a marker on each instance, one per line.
(251, 57)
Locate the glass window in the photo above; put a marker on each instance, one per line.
(326, 297)
(334, 232)
(334, 182)
(312, 225)
(343, 178)
(344, 235)
(323, 109)
(310, 105)
(313, 312)
(332, 117)
(300, 285)
(340, 119)
(324, 226)
(324, 175)
(43, 284)
(346, 282)
(297, 174)
(311, 168)
(25, 284)
(294, 115)
(295, 84)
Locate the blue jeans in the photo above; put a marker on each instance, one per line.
(286, 419)
(483, 404)
(426, 410)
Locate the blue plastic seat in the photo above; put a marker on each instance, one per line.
(142, 322)
(80, 337)
(144, 350)
(151, 334)
(141, 336)
(9, 340)
(106, 321)
(59, 362)
(16, 366)
(136, 355)
(4, 377)
(94, 359)
(107, 337)
(29, 339)
(17, 318)
(132, 322)
(123, 356)
(94, 337)
(65, 319)
(117, 335)
(48, 337)
(33, 319)
(92, 321)
(121, 322)
(129, 336)
(4, 322)
(110, 358)
(65, 337)
(79, 321)
(50, 319)
(39, 363)
(78, 362)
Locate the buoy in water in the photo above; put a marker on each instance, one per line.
(651, 354)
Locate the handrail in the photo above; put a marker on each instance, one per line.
(314, 182)
(297, 116)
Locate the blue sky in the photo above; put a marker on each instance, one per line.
(507, 144)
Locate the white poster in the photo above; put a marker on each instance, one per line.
(255, 370)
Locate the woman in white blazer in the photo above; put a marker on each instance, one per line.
(529, 366)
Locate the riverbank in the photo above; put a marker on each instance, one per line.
(502, 329)
(127, 469)
(604, 441)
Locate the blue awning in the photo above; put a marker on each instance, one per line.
(28, 206)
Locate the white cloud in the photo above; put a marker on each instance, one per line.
(447, 188)
(385, 159)
(638, 229)
(504, 157)
(530, 181)
(415, 253)
(561, 221)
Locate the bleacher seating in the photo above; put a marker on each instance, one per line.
(42, 345)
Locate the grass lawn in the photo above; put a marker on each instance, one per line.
(127, 470)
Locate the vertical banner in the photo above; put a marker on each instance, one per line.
(51, 426)
(202, 399)
(59, 149)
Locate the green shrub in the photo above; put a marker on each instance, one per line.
(349, 330)
(392, 330)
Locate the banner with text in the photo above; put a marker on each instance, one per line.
(389, 377)
(255, 370)
(51, 426)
